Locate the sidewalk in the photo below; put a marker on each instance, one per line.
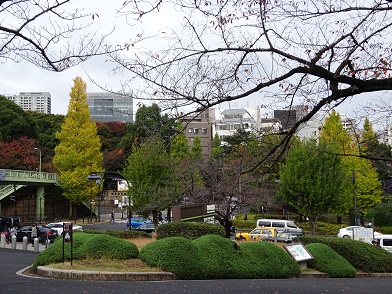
(19, 246)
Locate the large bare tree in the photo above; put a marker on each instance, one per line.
(316, 52)
(49, 34)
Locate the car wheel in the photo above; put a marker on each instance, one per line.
(346, 237)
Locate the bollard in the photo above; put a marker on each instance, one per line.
(2, 242)
(13, 242)
(47, 244)
(36, 245)
(25, 241)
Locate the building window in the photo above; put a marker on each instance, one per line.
(195, 131)
(204, 131)
(189, 130)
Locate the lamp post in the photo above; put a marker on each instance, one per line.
(40, 159)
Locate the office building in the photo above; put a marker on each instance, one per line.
(247, 119)
(109, 107)
(202, 126)
(34, 101)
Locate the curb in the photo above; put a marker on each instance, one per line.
(48, 272)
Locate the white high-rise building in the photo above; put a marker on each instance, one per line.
(34, 101)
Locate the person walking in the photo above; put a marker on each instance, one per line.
(34, 234)
(112, 216)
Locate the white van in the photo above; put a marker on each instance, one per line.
(384, 241)
(280, 225)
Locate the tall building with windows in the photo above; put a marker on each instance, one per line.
(201, 126)
(231, 120)
(108, 107)
(34, 101)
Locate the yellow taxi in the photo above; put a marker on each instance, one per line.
(256, 234)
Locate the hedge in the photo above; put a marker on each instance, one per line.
(189, 230)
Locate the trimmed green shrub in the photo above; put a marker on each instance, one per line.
(87, 246)
(174, 254)
(122, 234)
(54, 253)
(244, 224)
(323, 228)
(264, 260)
(328, 261)
(385, 230)
(189, 230)
(219, 256)
(360, 255)
(105, 246)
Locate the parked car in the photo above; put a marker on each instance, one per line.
(348, 232)
(146, 227)
(283, 237)
(384, 241)
(9, 222)
(137, 221)
(256, 234)
(280, 225)
(59, 227)
(42, 232)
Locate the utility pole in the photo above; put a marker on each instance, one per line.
(355, 201)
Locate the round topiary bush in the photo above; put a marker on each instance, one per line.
(328, 261)
(105, 246)
(176, 255)
(264, 260)
(54, 253)
(360, 255)
(219, 256)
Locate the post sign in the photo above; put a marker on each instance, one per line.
(298, 251)
(67, 238)
(67, 232)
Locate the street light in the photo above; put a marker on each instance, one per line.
(40, 156)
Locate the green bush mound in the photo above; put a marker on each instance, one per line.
(264, 260)
(86, 246)
(188, 230)
(219, 256)
(54, 253)
(122, 234)
(174, 254)
(328, 261)
(105, 246)
(360, 255)
(216, 257)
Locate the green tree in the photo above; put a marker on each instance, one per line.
(338, 141)
(311, 180)
(379, 153)
(47, 125)
(216, 148)
(15, 122)
(79, 148)
(152, 182)
(149, 122)
(196, 149)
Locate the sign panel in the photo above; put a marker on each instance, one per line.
(67, 232)
(298, 251)
(363, 234)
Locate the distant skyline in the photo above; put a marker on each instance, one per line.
(25, 77)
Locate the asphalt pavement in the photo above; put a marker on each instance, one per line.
(16, 279)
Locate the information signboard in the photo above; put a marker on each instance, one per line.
(298, 251)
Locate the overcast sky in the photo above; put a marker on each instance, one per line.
(25, 77)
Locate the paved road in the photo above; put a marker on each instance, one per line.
(13, 281)
(13, 261)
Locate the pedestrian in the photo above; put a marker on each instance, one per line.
(112, 216)
(34, 234)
